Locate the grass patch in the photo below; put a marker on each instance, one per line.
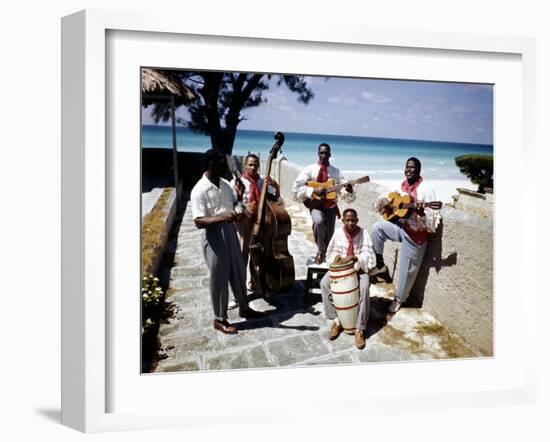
(152, 231)
(153, 236)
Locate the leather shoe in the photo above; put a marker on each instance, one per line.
(318, 258)
(394, 306)
(335, 331)
(250, 313)
(225, 327)
(359, 339)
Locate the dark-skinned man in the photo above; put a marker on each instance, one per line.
(412, 232)
(350, 243)
(250, 184)
(212, 203)
(324, 217)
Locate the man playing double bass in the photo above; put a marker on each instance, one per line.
(324, 217)
(251, 182)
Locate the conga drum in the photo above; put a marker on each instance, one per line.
(344, 286)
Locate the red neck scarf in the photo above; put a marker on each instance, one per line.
(418, 236)
(350, 237)
(411, 188)
(322, 176)
(254, 194)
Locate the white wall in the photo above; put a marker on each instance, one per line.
(30, 178)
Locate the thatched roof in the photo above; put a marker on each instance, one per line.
(160, 82)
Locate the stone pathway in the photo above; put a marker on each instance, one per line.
(294, 331)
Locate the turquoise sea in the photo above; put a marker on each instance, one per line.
(381, 158)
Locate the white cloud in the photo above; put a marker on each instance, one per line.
(461, 109)
(371, 97)
(343, 100)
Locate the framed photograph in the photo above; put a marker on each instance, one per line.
(110, 383)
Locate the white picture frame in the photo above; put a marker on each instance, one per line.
(88, 168)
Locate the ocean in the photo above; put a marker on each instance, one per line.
(383, 159)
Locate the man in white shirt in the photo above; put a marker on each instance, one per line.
(412, 232)
(324, 217)
(212, 203)
(350, 243)
(252, 183)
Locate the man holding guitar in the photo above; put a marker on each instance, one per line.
(409, 223)
(323, 209)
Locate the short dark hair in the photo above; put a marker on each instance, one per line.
(214, 156)
(415, 161)
(252, 155)
(323, 144)
(349, 209)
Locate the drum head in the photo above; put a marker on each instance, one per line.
(339, 267)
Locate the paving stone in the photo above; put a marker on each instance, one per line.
(300, 321)
(184, 261)
(190, 283)
(343, 358)
(375, 352)
(188, 272)
(251, 332)
(191, 299)
(341, 343)
(183, 346)
(177, 366)
(297, 348)
(247, 357)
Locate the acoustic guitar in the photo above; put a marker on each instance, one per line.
(401, 206)
(330, 190)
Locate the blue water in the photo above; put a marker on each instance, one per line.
(381, 158)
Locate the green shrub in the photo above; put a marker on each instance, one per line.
(479, 168)
(151, 299)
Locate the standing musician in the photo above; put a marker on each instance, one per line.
(412, 232)
(350, 243)
(251, 182)
(324, 217)
(212, 203)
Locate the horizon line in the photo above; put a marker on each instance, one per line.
(337, 135)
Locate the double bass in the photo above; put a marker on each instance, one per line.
(269, 240)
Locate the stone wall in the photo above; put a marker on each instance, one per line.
(455, 282)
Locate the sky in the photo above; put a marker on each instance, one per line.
(421, 110)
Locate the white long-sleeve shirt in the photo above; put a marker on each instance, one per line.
(430, 221)
(362, 248)
(301, 192)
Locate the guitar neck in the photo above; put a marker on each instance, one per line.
(417, 205)
(339, 186)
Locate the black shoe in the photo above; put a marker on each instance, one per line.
(382, 273)
(249, 313)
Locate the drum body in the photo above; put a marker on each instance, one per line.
(344, 287)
